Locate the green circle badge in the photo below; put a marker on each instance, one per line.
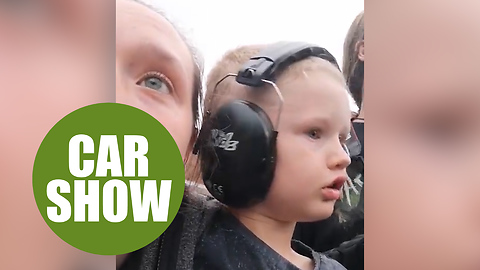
(108, 179)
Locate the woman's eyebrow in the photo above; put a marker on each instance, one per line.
(154, 51)
(153, 56)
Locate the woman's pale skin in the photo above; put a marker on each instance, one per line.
(53, 61)
(147, 41)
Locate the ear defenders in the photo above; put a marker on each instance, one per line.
(237, 145)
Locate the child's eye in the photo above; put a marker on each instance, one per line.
(314, 134)
(155, 81)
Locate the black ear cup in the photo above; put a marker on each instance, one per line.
(238, 156)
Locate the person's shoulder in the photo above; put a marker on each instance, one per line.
(328, 264)
(197, 200)
(321, 261)
(198, 210)
(349, 253)
(215, 247)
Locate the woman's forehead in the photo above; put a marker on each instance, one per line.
(139, 27)
(140, 20)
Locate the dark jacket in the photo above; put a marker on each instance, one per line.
(344, 225)
(228, 245)
(350, 253)
(175, 248)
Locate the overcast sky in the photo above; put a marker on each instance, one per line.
(220, 25)
(216, 26)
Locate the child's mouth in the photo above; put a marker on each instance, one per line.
(332, 191)
(338, 183)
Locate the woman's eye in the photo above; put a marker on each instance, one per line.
(157, 82)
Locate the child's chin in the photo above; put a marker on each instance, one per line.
(319, 211)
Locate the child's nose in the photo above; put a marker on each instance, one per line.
(340, 158)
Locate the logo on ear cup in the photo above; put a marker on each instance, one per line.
(218, 192)
(224, 140)
(215, 189)
(218, 189)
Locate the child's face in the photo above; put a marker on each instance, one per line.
(424, 148)
(314, 123)
(154, 69)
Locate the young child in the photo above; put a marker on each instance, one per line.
(310, 166)
(347, 221)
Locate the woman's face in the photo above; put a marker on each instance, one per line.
(422, 170)
(54, 59)
(155, 70)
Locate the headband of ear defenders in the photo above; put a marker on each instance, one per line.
(271, 61)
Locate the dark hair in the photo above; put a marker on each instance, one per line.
(355, 83)
(352, 65)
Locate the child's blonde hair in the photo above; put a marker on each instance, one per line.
(233, 60)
